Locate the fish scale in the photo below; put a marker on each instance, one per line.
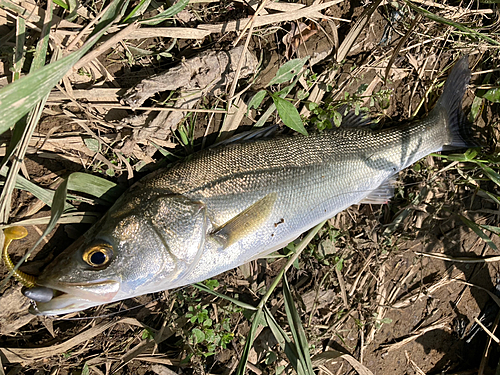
(230, 204)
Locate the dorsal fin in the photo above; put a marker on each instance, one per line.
(249, 135)
(350, 119)
(353, 120)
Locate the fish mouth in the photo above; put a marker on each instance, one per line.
(67, 297)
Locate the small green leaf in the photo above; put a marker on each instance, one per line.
(339, 263)
(147, 334)
(475, 109)
(362, 88)
(92, 144)
(198, 335)
(208, 322)
(312, 106)
(289, 114)
(337, 119)
(85, 369)
(212, 284)
(471, 154)
(302, 94)
(256, 100)
(282, 94)
(271, 357)
(493, 95)
(62, 4)
(288, 70)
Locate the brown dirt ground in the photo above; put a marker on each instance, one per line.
(379, 258)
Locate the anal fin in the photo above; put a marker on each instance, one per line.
(382, 194)
(246, 222)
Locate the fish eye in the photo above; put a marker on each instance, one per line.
(99, 255)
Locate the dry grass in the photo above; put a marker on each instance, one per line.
(372, 286)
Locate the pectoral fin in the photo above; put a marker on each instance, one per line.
(246, 222)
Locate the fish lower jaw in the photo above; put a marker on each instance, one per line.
(73, 297)
(62, 304)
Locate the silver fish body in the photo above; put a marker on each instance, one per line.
(228, 205)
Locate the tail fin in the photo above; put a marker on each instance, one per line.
(451, 102)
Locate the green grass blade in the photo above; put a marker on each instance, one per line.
(95, 186)
(19, 97)
(62, 4)
(262, 120)
(249, 343)
(492, 175)
(139, 9)
(113, 13)
(298, 333)
(45, 195)
(205, 289)
(448, 22)
(17, 134)
(169, 13)
(67, 218)
(284, 341)
(19, 51)
(27, 127)
(492, 229)
(298, 250)
(43, 45)
(476, 228)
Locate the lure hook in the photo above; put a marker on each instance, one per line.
(16, 233)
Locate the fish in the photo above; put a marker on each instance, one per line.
(227, 205)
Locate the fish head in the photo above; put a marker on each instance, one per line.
(133, 250)
(80, 277)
